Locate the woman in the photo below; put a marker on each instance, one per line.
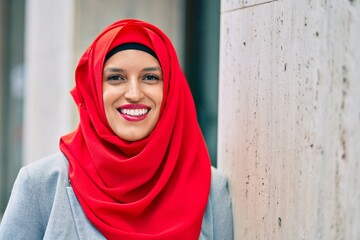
(137, 167)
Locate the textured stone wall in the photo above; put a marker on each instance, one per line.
(289, 117)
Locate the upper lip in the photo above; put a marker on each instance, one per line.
(134, 106)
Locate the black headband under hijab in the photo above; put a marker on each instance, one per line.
(127, 46)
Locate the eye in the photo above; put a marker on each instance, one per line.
(114, 78)
(151, 77)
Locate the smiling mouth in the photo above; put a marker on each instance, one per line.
(134, 112)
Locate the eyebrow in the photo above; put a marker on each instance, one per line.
(110, 69)
(149, 69)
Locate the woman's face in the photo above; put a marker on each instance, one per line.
(132, 93)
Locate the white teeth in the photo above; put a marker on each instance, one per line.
(134, 112)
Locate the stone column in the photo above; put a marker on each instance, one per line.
(48, 75)
(289, 117)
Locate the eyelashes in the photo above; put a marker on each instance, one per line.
(151, 77)
(118, 78)
(115, 78)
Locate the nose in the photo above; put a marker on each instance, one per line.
(134, 91)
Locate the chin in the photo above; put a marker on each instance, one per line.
(132, 138)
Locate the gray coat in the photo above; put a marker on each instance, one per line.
(43, 206)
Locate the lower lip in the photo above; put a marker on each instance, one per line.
(133, 118)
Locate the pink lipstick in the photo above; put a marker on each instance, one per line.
(134, 112)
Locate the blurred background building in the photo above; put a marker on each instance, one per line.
(41, 42)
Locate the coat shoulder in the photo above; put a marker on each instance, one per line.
(220, 206)
(33, 199)
(48, 179)
(219, 181)
(53, 167)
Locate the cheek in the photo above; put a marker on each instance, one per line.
(104, 93)
(109, 95)
(106, 102)
(160, 99)
(109, 98)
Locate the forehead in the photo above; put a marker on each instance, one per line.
(131, 57)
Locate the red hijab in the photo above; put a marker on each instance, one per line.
(154, 188)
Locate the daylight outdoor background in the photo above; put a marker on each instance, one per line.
(276, 85)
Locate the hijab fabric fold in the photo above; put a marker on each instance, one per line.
(154, 188)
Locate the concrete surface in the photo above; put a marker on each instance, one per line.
(289, 117)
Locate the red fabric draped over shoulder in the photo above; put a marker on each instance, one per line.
(154, 188)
